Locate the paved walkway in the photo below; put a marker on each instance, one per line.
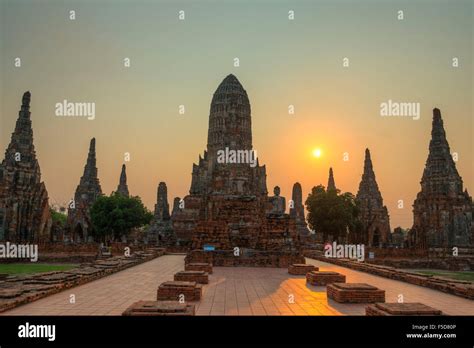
(234, 291)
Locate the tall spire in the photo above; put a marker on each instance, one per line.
(368, 187)
(161, 228)
(373, 214)
(331, 183)
(24, 208)
(162, 209)
(122, 187)
(442, 211)
(229, 118)
(90, 178)
(229, 132)
(87, 192)
(368, 167)
(440, 167)
(21, 148)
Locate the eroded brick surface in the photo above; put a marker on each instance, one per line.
(320, 278)
(385, 309)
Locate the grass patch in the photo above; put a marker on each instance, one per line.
(467, 275)
(29, 268)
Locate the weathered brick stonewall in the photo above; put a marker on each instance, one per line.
(318, 278)
(160, 308)
(199, 277)
(355, 293)
(257, 258)
(391, 309)
(18, 290)
(455, 287)
(301, 269)
(198, 266)
(174, 289)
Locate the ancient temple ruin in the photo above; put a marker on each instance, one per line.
(79, 220)
(122, 187)
(373, 214)
(442, 211)
(228, 205)
(24, 208)
(161, 230)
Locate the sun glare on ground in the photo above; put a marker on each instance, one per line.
(317, 153)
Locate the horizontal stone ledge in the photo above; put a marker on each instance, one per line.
(355, 293)
(301, 269)
(198, 266)
(179, 291)
(246, 258)
(319, 278)
(404, 309)
(160, 308)
(199, 277)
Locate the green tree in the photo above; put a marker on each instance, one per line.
(332, 213)
(115, 216)
(58, 217)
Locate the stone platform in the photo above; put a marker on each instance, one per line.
(160, 308)
(174, 289)
(355, 293)
(199, 277)
(198, 266)
(246, 258)
(301, 269)
(390, 309)
(319, 278)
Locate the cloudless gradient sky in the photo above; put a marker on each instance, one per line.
(282, 62)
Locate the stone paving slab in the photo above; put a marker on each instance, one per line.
(234, 291)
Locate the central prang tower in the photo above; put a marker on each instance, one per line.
(228, 205)
(230, 123)
(229, 128)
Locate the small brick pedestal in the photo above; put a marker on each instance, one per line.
(320, 278)
(355, 293)
(301, 269)
(200, 277)
(172, 291)
(198, 266)
(389, 309)
(159, 308)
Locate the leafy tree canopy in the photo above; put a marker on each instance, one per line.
(114, 216)
(332, 213)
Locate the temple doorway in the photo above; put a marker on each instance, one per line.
(78, 235)
(376, 238)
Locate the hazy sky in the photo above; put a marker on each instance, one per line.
(282, 62)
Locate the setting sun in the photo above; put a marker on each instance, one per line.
(317, 153)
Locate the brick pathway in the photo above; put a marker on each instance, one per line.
(233, 291)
